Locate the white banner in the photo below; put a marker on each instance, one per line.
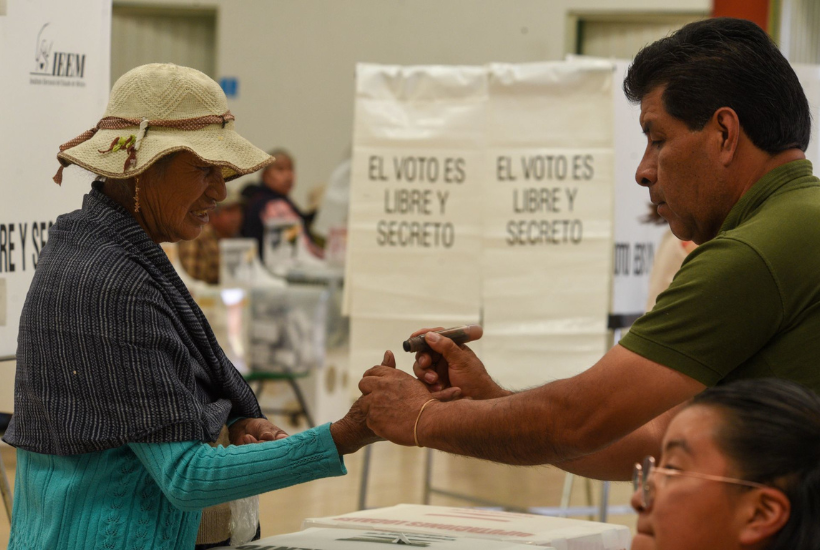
(415, 213)
(54, 65)
(547, 220)
(809, 76)
(636, 241)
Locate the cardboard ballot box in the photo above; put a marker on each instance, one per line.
(358, 539)
(561, 533)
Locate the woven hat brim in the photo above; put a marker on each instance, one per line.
(213, 144)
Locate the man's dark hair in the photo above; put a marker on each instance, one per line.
(770, 431)
(725, 62)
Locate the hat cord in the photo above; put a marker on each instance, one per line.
(118, 123)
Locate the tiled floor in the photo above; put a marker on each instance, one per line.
(397, 476)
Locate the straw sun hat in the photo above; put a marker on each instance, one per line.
(157, 109)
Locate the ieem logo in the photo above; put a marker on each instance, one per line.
(51, 63)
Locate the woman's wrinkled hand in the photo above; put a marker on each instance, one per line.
(254, 430)
(351, 432)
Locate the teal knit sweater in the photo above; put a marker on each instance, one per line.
(150, 495)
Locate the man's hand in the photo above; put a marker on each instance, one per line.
(572, 419)
(392, 400)
(351, 432)
(254, 430)
(451, 366)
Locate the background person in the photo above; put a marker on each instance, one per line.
(727, 124)
(669, 257)
(120, 382)
(333, 210)
(271, 201)
(739, 470)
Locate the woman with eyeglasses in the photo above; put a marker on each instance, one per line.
(740, 468)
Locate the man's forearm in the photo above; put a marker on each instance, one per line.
(539, 426)
(558, 422)
(566, 420)
(616, 462)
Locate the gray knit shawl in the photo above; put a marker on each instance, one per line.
(112, 348)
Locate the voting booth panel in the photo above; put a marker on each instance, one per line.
(809, 76)
(415, 212)
(547, 219)
(636, 241)
(54, 65)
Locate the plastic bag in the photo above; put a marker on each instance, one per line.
(244, 520)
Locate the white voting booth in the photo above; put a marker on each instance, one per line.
(547, 219)
(54, 66)
(464, 208)
(809, 76)
(414, 233)
(635, 242)
(484, 193)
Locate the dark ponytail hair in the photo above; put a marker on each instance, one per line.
(771, 432)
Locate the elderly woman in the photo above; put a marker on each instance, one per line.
(740, 469)
(120, 381)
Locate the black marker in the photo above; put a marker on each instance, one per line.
(459, 335)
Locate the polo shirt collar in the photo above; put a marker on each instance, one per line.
(763, 189)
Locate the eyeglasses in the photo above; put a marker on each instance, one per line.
(642, 474)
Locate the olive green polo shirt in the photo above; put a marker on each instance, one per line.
(747, 303)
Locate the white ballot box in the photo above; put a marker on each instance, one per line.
(356, 539)
(561, 533)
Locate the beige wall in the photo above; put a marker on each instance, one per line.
(800, 31)
(7, 386)
(295, 59)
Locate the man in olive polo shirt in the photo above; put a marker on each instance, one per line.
(727, 124)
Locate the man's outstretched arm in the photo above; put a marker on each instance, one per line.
(565, 420)
(616, 462)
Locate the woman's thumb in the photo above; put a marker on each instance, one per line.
(389, 359)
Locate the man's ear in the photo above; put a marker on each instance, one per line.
(726, 126)
(765, 513)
